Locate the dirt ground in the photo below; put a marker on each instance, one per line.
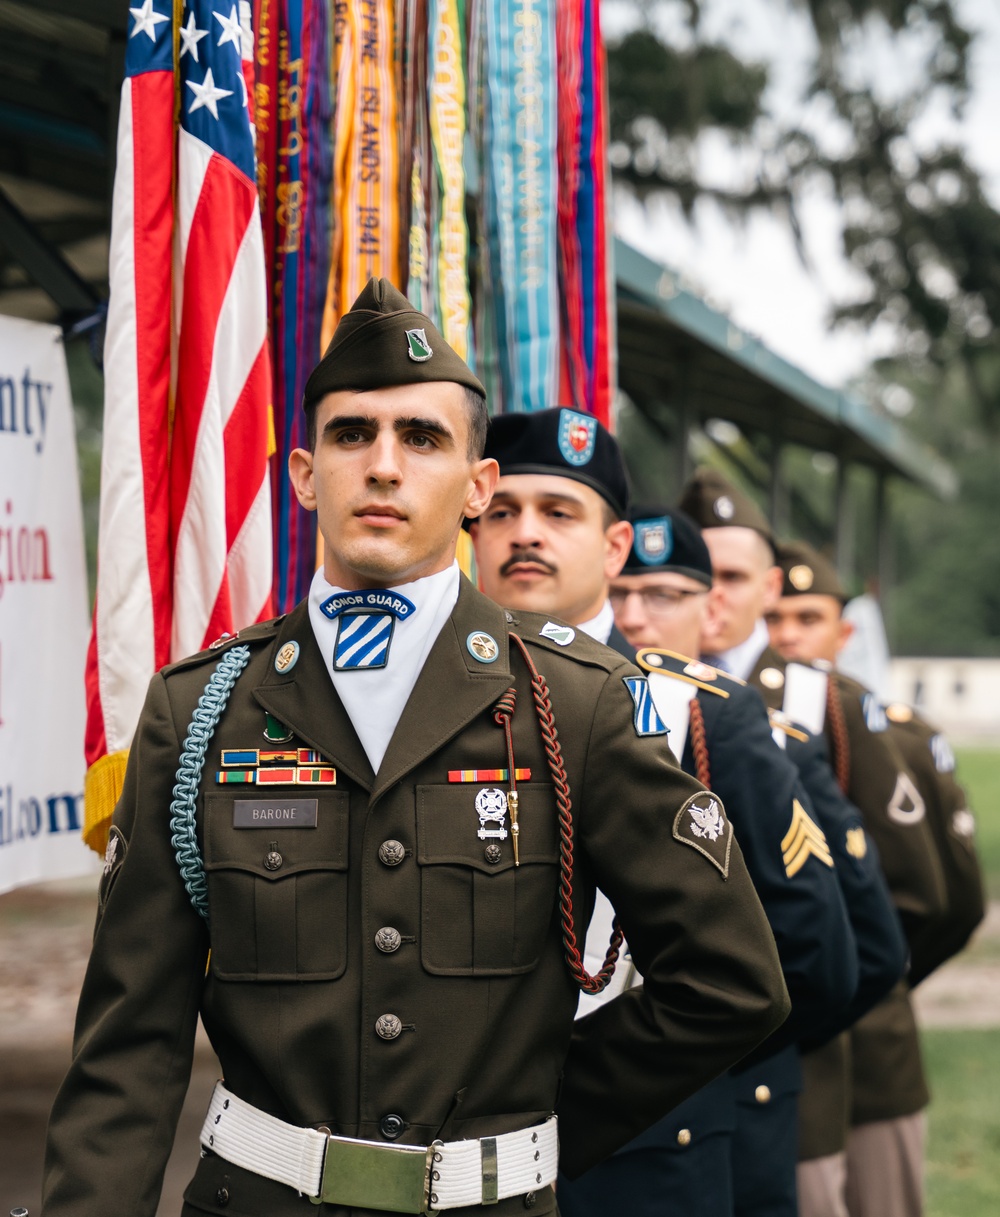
(45, 936)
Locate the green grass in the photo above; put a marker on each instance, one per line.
(963, 1151)
(979, 773)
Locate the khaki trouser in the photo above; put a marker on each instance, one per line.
(822, 1185)
(885, 1167)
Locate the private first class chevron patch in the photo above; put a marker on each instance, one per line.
(644, 717)
(804, 838)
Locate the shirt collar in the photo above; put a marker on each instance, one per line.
(739, 660)
(599, 628)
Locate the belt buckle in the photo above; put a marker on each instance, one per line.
(367, 1175)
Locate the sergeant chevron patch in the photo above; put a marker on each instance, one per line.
(644, 718)
(804, 838)
(702, 824)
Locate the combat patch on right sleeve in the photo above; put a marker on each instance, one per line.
(702, 823)
(114, 856)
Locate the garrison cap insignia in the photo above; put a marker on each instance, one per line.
(875, 717)
(724, 507)
(906, 806)
(801, 577)
(645, 718)
(963, 824)
(482, 646)
(856, 843)
(577, 436)
(702, 824)
(654, 540)
(287, 657)
(562, 635)
(417, 346)
(944, 758)
(899, 712)
(804, 838)
(772, 678)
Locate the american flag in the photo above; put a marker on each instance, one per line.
(185, 531)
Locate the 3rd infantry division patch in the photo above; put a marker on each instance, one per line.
(804, 837)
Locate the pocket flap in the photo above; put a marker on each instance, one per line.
(323, 847)
(452, 829)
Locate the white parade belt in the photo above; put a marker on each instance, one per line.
(371, 1175)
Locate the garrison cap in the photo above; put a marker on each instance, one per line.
(713, 502)
(383, 340)
(564, 442)
(667, 540)
(806, 572)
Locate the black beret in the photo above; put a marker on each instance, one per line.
(807, 573)
(667, 540)
(713, 502)
(384, 341)
(564, 442)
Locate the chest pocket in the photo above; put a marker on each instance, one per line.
(480, 916)
(277, 896)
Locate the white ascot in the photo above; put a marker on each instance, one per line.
(374, 697)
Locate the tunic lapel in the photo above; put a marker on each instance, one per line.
(305, 700)
(451, 690)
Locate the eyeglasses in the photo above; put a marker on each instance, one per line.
(657, 601)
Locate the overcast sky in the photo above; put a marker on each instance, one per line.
(754, 273)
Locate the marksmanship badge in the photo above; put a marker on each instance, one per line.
(491, 804)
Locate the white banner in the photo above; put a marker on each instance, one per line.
(44, 626)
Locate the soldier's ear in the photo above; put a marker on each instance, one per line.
(618, 542)
(300, 474)
(844, 633)
(773, 581)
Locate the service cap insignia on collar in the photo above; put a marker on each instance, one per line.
(577, 436)
(772, 678)
(287, 657)
(654, 540)
(702, 824)
(482, 646)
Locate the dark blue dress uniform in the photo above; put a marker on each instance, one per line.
(688, 1163)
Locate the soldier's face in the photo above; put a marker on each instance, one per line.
(660, 610)
(391, 480)
(745, 584)
(545, 544)
(805, 628)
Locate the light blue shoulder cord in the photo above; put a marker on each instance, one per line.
(183, 835)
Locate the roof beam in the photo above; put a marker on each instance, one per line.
(44, 264)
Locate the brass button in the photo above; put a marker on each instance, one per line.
(388, 939)
(388, 1026)
(273, 860)
(391, 1127)
(493, 852)
(391, 853)
(762, 1094)
(684, 1136)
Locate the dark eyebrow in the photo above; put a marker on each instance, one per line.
(423, 424)
(549, 497)
(350, 421)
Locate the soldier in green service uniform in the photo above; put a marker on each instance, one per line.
(888, 1092)
(383, 943)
